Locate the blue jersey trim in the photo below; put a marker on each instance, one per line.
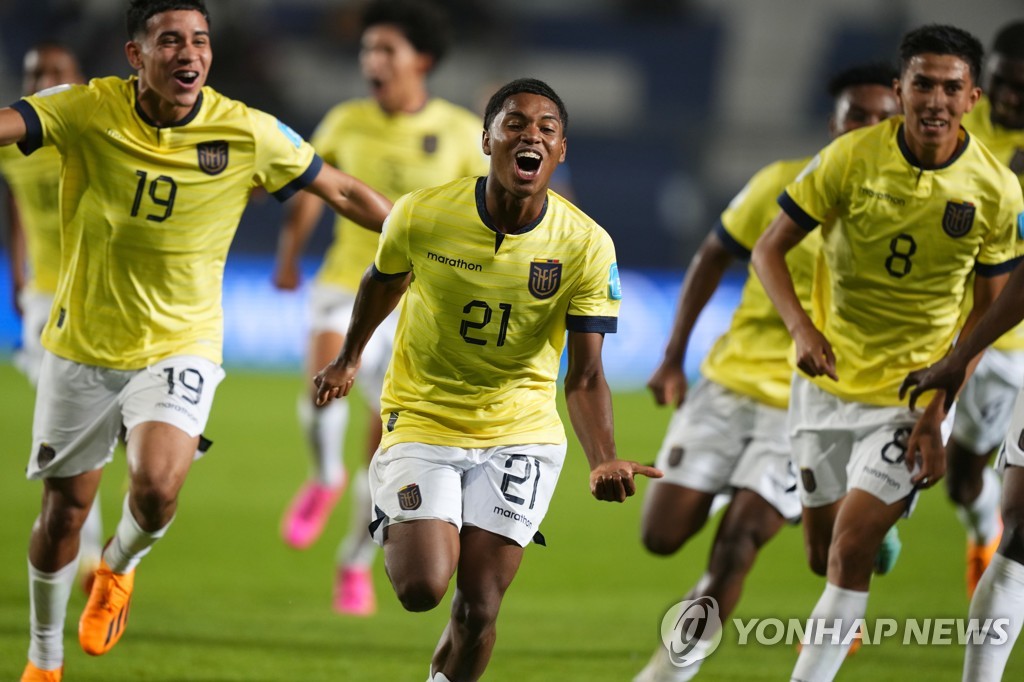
(33, 139)
(385, 277)
(999, 269)
(481, 209)
(302, 181)
(793, 210)
(189, 117)
(913, 160)
(730, 243)
(596, 325)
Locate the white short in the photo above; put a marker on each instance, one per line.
(330, 310)
(505, 489)
(986, 403)
(35, 308)
(720, 440)
(1012, 452)
(80, 408)
(840, 445)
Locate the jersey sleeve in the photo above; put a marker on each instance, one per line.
(285, 163)
(323, 138)
(55, 116)
(1005, 244)
(810, 198)
(594, 307)
(743, 220)
(392, 258)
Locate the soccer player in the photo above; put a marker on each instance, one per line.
(730, 433)
(399, 140)
(494, 270)
(919, 208)
(34, 252)
(986, 403)
(156, 170)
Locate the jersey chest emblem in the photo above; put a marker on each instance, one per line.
(958, 218)
(213, 156)
(545, 277)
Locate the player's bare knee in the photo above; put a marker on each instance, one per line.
(61, 521)
(961, 490)
(817, 559)
(734, 550)
(850, 560)
(476, 617)
(657, 541)
(155, 503)
(419, 593)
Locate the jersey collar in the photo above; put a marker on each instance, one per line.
(912, 159)
(176, 124)
(481, 209)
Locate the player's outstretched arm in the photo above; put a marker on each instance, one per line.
(374, 302)
(351, 198)
(589, 402)
(813, 351)
(12, 127)
(16, 252)
(302, 212)
(668, 382)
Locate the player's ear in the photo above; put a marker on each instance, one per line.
(561, 156)
(134, 54)
(486, 143)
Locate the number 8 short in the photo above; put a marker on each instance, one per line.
(80, 408)
(504, 489)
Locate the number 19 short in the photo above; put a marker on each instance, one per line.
(504, 489)
(80, 408)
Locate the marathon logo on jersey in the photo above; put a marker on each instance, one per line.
(213, 157)
(409, 497)
(545, 277)
(1017, 161)
(958, 218)
(429, 144)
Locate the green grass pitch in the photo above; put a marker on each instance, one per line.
(222, 598)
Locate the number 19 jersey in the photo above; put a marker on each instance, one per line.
(483, 323)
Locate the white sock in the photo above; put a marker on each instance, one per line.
(90, 540)
(838, 610)
(438, 677)
(1000, 594)
(48, 599)
(130, 542)
(325, 430)
(358, 549)
(981, 517)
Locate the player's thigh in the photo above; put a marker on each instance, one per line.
(487, 566)
(509, 491)
(421, 552)
(77, 418)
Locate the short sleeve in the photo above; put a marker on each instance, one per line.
(744, 220)
(285, 163)
(810, 198)
(1005, 242)
(594, 306)
(55, 116)
(393, 247)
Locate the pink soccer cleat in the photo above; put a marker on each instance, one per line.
(308, 512)
(353, 592)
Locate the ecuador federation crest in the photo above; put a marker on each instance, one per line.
(409, 497)
(958, 218)
(545, 277)
(213, 156)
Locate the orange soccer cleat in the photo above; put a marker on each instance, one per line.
(34, 674)
(978, 559)
(106, 614)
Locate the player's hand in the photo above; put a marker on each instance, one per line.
(947, 375)
(334, 381)
(612, 481)
(287, 277)
(814, 355)
(925, 448)
(668, 384)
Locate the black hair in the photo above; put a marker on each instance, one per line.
(528, 85)
(423, 23)
(1009, 41)
(875, 73)
(140, 11)
(942, 39)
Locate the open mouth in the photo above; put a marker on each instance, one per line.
(186, 78)
(528, 163)
(933, 124)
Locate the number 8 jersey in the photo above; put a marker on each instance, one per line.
(148, 214)
(899, 257)
(483, 323)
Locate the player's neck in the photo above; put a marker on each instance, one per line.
(510, 213)
(930, 157)
(160, 112)
(411, 103)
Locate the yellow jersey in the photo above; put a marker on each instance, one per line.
(395, 154)
(148, 213)
(901, 254)
(483, 323)
(34, 183)
(753, 357)
(1008, 147)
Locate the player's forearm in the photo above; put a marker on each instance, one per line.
(769, 261)
(702, 279)
(16, 249)
(12, 127)
(589, 404)
(374, 302)
(302, 214)
(986, 324)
